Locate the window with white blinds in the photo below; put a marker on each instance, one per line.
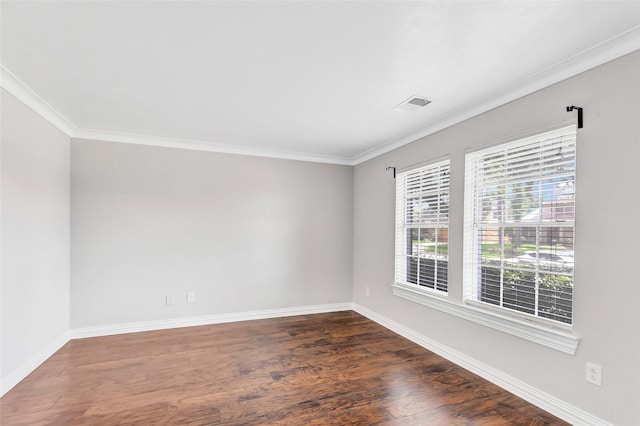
(422, 227)
(519, 225)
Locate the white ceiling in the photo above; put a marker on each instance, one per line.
(311, 80)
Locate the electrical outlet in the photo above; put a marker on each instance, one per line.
(170, 300)
(191, 297)
(367, 292)
(594, 374)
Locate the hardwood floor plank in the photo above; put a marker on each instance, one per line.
(336, 368)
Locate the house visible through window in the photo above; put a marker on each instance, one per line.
(422, 227)
(519, 225)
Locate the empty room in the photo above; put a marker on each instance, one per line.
(319, 213)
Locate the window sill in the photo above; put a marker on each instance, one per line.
(559, 339)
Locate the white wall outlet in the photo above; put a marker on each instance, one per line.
(170, 300)
(594, 374)
(367, 292)
(191, 297)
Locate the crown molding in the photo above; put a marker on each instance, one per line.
(22, 92)
(30, 98)
(613, 48)
(606, 51)
(196, 145)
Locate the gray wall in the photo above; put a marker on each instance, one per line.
(248, 233)
(607, 287)
(35, 235)
(243, 233)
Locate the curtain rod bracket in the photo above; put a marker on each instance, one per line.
(394, 170)
(571, 108)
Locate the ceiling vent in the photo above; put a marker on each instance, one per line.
(414, 103)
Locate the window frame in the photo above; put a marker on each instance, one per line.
(547, 333)
(470, 250)
(439, 165)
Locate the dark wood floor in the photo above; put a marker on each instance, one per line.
(338, 368)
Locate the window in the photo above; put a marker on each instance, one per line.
(422, 227)
(519, 226)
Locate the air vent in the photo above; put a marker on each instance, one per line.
(414, 103)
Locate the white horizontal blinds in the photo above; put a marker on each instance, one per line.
(422, 226)
(523, 221)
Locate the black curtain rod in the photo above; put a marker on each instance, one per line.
(394, 170)
(571, 108)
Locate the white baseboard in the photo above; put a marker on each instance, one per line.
(134, 327)
(16, 376)
(525, 391)
(547, 402)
